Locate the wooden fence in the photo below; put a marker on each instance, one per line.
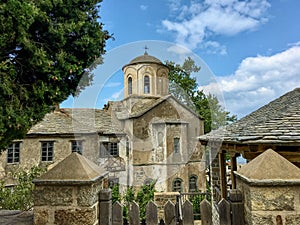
(173, 214)
(230, 212)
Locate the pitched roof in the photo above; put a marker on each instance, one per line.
(269, 165)
(141, 107)
(73, 121)
(74, 168)
(58, 122)
(276, 122)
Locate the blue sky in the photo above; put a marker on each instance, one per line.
(249, 51)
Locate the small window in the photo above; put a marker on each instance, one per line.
(76, 146)
(109, 149)
(129, 85)
(47, 151)
(193, 183)
(13, 153)
(149, 182)
(176, 145)
(146, 85)
(112, 181)
(177, 185)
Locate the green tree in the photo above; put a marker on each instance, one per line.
(185, 88)
(115, 193)
(20, 196)
(144, 196)
(46, 48)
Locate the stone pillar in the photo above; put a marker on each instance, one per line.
(270, 185)
(68, 193)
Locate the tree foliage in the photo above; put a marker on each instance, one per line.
(45, 50)
(142, 197)
(20, 196)
(185, 88)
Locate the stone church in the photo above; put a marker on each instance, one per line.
(148, 136)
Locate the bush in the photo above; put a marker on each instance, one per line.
(20, 196)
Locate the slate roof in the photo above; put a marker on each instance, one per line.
(141, 107)
(277, 122)
(74, 121)
(269, 165)
(68, 121)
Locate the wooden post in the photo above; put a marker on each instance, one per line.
(223, 183)
(224, 212)
(170, 213)
(105, 208)
(187, 213)
(117, 214)
(237, 207)
(233, 168)
(151, 214)
(206, 212)
(134, 214)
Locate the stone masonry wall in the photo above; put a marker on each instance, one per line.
(71, 204)
(271, 205)
(161, 199)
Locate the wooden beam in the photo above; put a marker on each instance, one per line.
(233, 165)
(222, 167)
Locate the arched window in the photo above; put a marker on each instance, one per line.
(193, 183)
(129, 85)
(146, 85)
(177, 185)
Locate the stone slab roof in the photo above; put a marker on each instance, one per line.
(269, 165)
(276, 122)
(75, 168)
(73, 121)
(141, 107)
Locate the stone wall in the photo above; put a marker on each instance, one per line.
(270, 185)
(161, 199)
(69, 193)
(70, 204)
(268, 205)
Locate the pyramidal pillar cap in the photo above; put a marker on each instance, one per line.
(269, 168)
(75, 169)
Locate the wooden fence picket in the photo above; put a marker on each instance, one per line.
(117, 214)
(187, 213)
(170, 214)
(224, 212)
(134, 214)
(206, 212)
(151, 214)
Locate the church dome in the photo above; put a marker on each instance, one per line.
(146, 58)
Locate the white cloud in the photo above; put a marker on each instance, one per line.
(193, 24)
(143, 7)
(117, 95)
(258, 80)
(113, 84)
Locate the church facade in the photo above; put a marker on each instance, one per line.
(148, 136)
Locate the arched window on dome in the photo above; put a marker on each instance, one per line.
(129, 85)
(146, 85)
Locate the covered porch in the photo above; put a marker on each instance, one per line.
(274, 126)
